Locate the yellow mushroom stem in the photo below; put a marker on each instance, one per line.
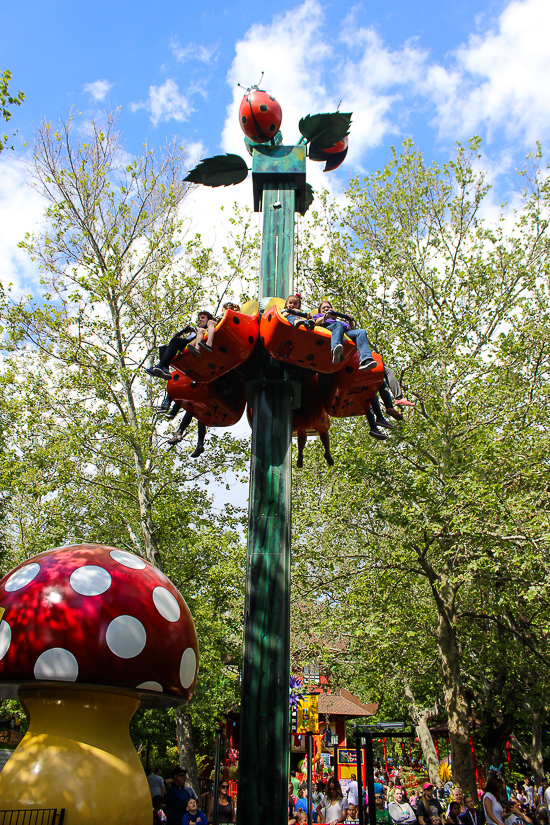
(77, 754)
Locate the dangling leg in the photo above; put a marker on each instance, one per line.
(372, 415)
(302, 439)
(185, 421)
(201, 435)
(176, 407)
(325, 441)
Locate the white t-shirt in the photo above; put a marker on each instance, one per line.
(497, 809)
(353, 791)
(334, 811)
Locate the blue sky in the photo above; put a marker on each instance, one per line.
(435, 72)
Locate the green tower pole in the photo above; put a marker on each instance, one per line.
(278, 179)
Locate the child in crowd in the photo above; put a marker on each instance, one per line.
(158, 813)
(292, 312)
(194, 815)
(352, 817)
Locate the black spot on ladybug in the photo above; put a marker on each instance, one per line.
(310, 357)
(223, 350)
(244, 118)
(176, 377)
(269, 317)
(193, 384)
(272, 127)
(320, 342)
(211, 366)
(349, 369)
(263, 340)
(236, 320)
(250, 339)
(263, 108)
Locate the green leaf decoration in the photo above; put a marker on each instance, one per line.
(309, 197)
(221, 170)
(325, 129)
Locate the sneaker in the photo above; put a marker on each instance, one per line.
(403, 402)
(337, 353)
(199, 449)
(311, 324)
(376, 433)
(369, 364)
(204, 345)
(175, 439)
(158, 372)
(394, 413)
(383, 422)
(193, 350)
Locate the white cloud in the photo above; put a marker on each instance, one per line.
(21, 211)
(192, 51)
(98, 89)
(499, 81)
(165, 103)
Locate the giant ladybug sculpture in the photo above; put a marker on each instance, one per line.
(260, 115)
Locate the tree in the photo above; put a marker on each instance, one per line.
(452, 510)
(7, 100)
(118, 275)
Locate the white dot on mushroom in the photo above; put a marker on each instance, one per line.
(90, 580)
(126, 637)
(128, 559)
(22, 577)
(166, 604)
(56, 664)
(5, 638)
(188, 667)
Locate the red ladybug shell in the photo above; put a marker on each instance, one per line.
(260, 116)
(338, 147)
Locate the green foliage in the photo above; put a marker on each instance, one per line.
(430, 551)
(83, 452)
(7, 100)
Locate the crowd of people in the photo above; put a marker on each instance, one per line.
(175, 802)
(497, 804)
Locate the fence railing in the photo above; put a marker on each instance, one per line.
(37, 816)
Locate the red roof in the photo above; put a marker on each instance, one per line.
(345, 704)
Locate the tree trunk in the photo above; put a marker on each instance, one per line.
(420, 718)
(186, 747)
(456, 703)
(533, 757)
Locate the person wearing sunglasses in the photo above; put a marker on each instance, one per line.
(226, 809)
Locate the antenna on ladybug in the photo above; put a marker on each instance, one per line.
(338, 107)
(254, 86)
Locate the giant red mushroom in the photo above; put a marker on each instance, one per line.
(89, 632)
